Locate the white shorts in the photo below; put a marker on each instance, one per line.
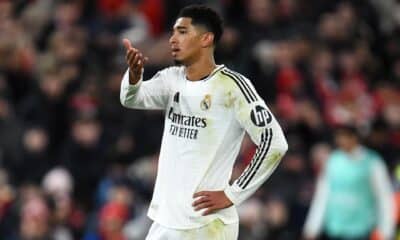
(216, 230)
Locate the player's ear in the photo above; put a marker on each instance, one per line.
(207, 39)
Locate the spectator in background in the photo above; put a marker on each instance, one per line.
(7, 200)
(35, 221)
(34, 216)
(113, 214)
(36, 161)
(83, 156)
(67, 218)
(353, 195)
(46, 107)
(10, 137)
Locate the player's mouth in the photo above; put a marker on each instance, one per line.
(175, 51)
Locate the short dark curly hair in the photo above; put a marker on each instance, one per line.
(206, 17)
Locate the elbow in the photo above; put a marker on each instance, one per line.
(279, 143)
(283, 147)
(122, 99)
(126, 100)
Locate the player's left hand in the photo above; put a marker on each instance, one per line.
(211, 201)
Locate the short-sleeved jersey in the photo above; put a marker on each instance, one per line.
(205, 122)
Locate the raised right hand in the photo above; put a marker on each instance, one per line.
(135, 60)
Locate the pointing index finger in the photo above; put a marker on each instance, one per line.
(127, 43)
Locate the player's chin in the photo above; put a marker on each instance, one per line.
(178, 62)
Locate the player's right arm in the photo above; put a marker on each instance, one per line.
(139, 94)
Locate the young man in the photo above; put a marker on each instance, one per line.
(208, 108)
(353, 195)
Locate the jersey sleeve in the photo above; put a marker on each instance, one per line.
(315, 218)
(150, 94)
(385, 200)
(256, 119)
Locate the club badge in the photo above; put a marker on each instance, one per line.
(205, 104)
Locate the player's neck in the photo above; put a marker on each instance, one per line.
(200, 69)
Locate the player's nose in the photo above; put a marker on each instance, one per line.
(172, 39)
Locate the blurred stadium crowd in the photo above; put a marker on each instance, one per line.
(76, 165)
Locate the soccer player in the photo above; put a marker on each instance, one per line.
(208, 109)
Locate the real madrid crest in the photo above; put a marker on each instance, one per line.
(205, 104)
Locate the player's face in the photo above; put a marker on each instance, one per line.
(185, 41)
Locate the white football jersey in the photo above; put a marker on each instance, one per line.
(205, 122)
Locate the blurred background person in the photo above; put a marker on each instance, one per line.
(354, 194)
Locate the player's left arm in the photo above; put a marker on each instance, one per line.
(255, 117)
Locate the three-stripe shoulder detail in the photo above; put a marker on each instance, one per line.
(243, 85)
